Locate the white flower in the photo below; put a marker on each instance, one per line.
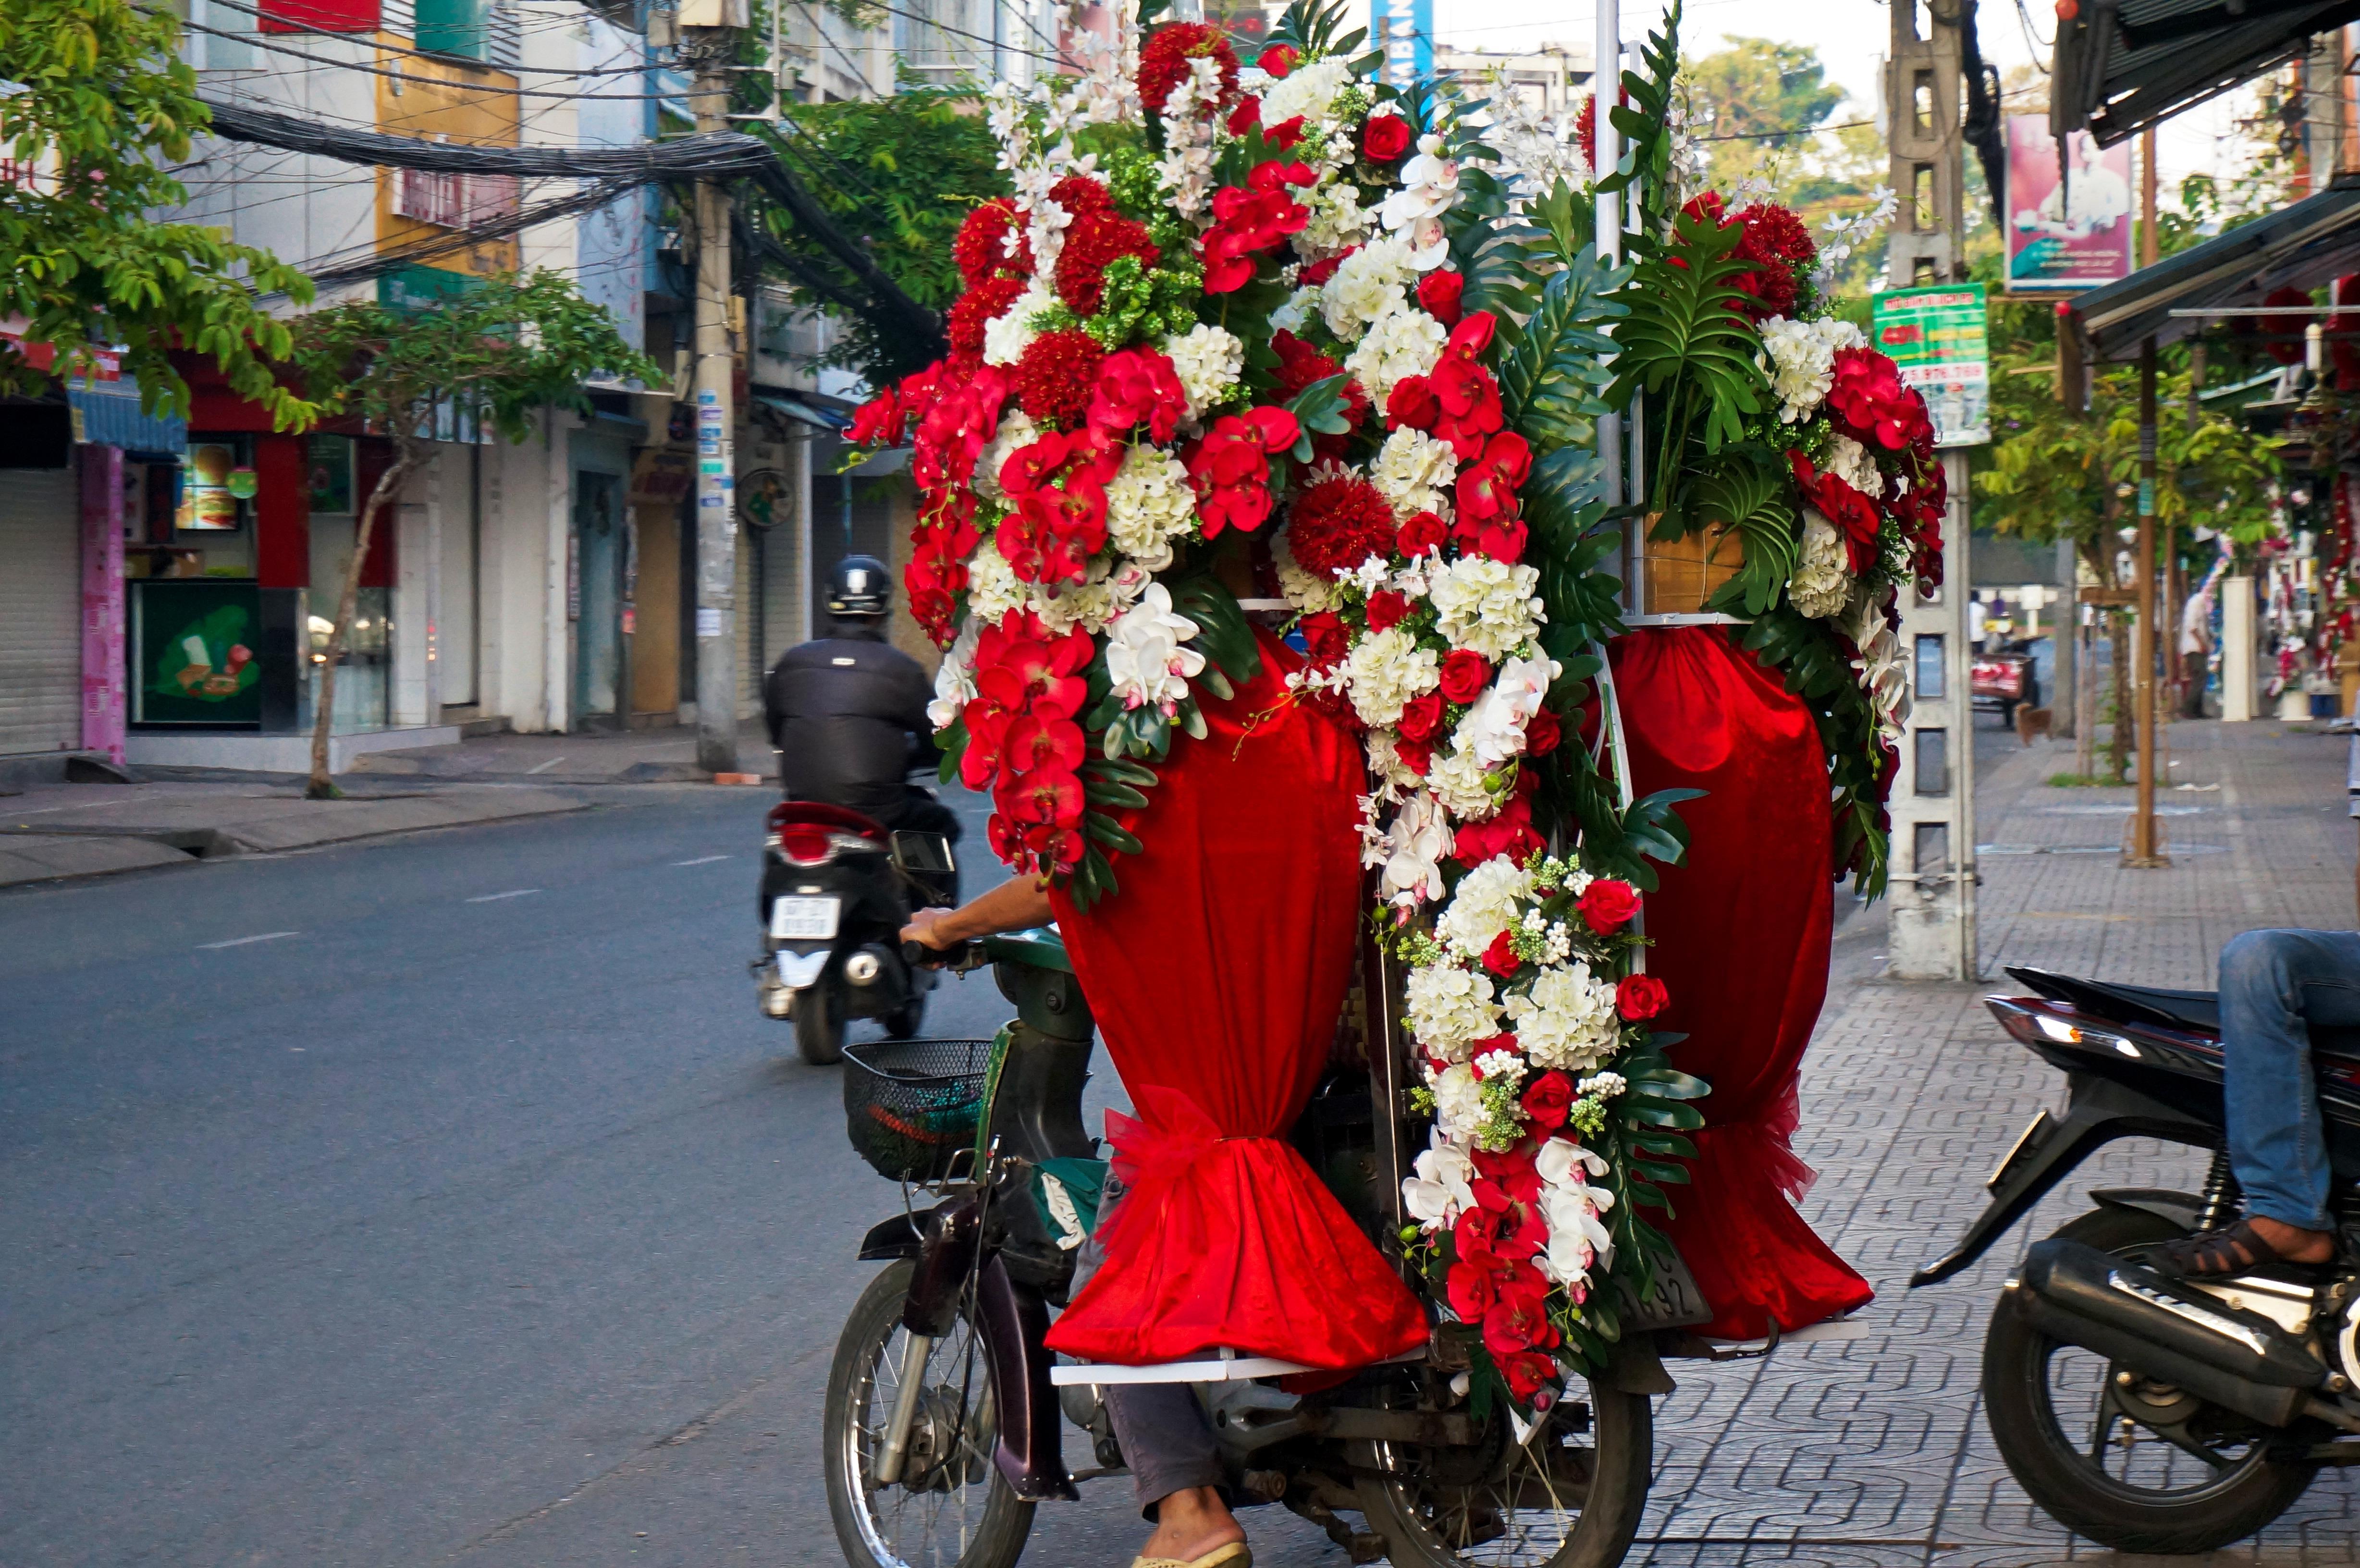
(1462, 782)
(1385, 671)
(1400, 343)
(1443, 1186)
(1007, 335)
(1493, 728)
(1429, 188)
(1149, 504)
(992, 587)
(955, 679)
(1823, 580)
(1338, 220)
(1504, 1064)
(1410, 849)
(1113, 587)
(1368, 284)
(1574, 1211)
(1853, 464)
(1307, 90)
(1450, 1007)
(1207, 359)
(1605, 1085)
(1303, 590)
(1015, 431)
(1802, 359)
(1884, 673)
(1483, 905)
(1566, 1019)
(1144, 657)
(1296, 310)
(1487, 604)
(1412, 470)
(1458, 1100)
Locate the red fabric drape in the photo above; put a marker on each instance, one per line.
(1217, 974)
(1742, 931)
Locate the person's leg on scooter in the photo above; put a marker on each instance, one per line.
(1168, 1444)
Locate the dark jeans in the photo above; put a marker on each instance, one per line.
(2274, 984)
(1165, 1439)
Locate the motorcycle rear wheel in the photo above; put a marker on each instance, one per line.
(951, 1509)
(2120, 1482)
(1579, 1508)
(819, 1024)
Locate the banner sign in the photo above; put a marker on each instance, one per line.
(1939, 335)
(2068, 230)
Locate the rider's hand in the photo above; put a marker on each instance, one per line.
(925, 929)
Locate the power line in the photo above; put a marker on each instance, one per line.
(710, 153)
(252, 41)
(283, 20)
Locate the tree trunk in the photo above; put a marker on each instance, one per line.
(2124, 734)
(323, 696)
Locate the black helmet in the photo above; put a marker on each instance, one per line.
(861, 585)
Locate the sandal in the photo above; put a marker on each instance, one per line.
(1234, 1554)
(2219, 1254)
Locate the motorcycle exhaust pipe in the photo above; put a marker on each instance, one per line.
(2174, 1333)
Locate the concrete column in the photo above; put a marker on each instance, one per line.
(2237, 648)
(103, 695)
(557, 625)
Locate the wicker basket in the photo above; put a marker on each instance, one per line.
(1681, 578)
(911, 1105)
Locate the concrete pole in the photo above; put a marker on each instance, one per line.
(2143, 635)
(1606, 91)
(716, 418)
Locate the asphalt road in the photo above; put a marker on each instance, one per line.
(437, 1200)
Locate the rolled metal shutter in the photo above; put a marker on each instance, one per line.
(40, 612)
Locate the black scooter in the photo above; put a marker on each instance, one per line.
(837, 887)
(2145, 1412)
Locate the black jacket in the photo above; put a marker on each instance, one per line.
(849, 715)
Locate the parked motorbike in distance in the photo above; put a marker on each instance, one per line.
(2149, 1412)
(837, 886)
(942, 1429)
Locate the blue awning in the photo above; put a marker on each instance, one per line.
(107, 413)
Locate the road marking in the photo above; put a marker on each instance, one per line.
(703, 860)
(242, 940)
(546, 765)
(512, 893)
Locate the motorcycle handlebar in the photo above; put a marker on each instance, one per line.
(959, 955)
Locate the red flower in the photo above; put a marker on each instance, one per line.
(1470, 1293)
(963, 322)
(1058, 485)
(982, 248)
(1467, 396)
(1439, 292)
(1541, 733)
(1411, 405)
(1244, 118)
(1138, 387)
(1870, 403)
(1337, 523)
(1081, 196)
(1487, 524)
(1092, 241)
(1528, 1373)
(1325, 639)
(1387, 608)
(1043, 740)
(1510, 832)
(1384, 138)
(1519, 1318)
(1424, 531)
(1278, 61)
(1229, 469)
(1421, 716)
(1056, 377)
(1585, 127)
(1499, 959)
(1641, 996)
(1547, 1099)
(1607, 905)
(1164, 60)
(878, 421)
(1778, 241)
(1853, 514)
(1465, 673)
(1316, 274)
(1284, 135)
(1251, 218)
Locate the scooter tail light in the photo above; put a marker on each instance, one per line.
(805, 843)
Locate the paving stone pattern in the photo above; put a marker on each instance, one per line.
(1874, 1452)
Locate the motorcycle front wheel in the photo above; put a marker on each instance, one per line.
(951, 1508)
(1571, 1497)
(2131, 1463)
(819, 1024)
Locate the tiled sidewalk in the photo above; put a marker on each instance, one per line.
(1875, 1452)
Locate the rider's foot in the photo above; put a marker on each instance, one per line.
(1191, 1525)
(2251, 1243)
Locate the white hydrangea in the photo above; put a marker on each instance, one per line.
(1007, 335)
(1400, 343)
(1394, 776)
(1412, 470)
(1459, 781)
(1015, 431)
(1449, 1007)
(1149, 504)
(1566, 1019)
(1207, 359)
(1823, 580)
(1487, 604)
(1851, 463)
(1385, 671)
(1307, 90)
(1367, 285)
(992, 587)
(1338, 220)
(1483, 905)
(1295, 309)
(1458, 1100)
(1801, 360)
(1093, 603)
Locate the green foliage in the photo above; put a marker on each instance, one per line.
(1751, 498)
(103, 105)
(1552, 374)
(1686, 342)
(1749, 98)
(1644, 123)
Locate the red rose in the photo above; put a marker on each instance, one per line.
(1278, 61)
(1245, 116)
(1465, 673)
(1421, 534)
(1324, 640)
(1541, 733)
(1438, 291)
(1499, 959)
(1548, 1098)
(1316, 274)
(1284, 135)
(1417, 756)
(1608, 905)
(1509, 832)
(1412, 405)
(1387, 608)
(1421, 716)
(1641, 996)
(1853, 514)
(1384, 138)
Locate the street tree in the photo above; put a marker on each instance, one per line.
(494, 354)
(95, 106)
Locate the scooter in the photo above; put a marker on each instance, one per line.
(2150, 1412)
(837, 886)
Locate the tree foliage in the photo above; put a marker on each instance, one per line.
(93, 99)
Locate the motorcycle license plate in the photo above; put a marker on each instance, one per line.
(803, 920)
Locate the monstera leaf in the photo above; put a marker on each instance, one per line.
(1748, 497)
(1685, 343)
(1552, 376)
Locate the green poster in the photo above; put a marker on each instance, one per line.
(1939, 337)
(194, 644)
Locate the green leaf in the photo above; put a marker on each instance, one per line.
(1223, 633)
(1750, 497)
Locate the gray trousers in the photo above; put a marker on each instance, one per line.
(1165, 1439)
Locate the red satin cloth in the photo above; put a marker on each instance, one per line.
(1217, 972)
(1742, 931)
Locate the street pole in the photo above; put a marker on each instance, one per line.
(1606, 147)
(716, 418)
(2143, 635)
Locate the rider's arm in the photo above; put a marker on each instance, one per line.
(1018, 904)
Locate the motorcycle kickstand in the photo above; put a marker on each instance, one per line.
(905, 1409)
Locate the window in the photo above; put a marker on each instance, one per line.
(1929, 668)
(455, 26)
(1932, 757)
(454, 201)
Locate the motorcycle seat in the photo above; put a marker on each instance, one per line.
(2196, 1011)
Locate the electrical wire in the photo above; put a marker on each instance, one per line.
(252, 41)
(707, 154)
(379, 42)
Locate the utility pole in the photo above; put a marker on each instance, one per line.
(1933, 800)
(2143, 851)
(713, 27)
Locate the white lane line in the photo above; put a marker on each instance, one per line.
(242, 940)
(546, 765)
(702, 860)
(512, 893)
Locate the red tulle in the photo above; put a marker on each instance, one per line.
(1742, 931)
(1217, 972)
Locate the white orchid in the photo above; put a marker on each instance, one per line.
(1411, 849)
(955, 681)
(1493, 729)
(1429, 188)
(1144, 657)
(1444, 1185)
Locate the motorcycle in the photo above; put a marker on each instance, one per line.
(2149, 1412)
(942, 1427)
(836, 888)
